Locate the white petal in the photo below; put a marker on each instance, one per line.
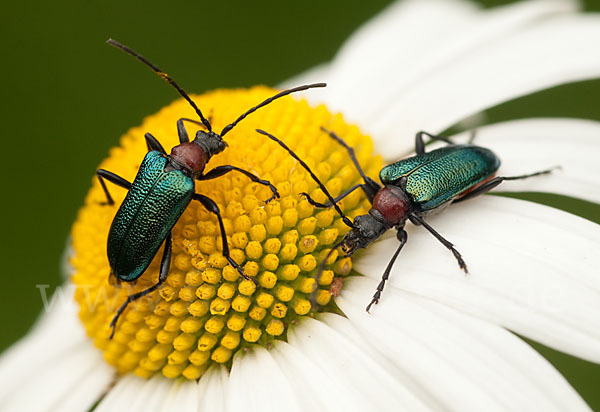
(212, 389)
(183, 396)
(369, 384)
(87, 390)
(56, 379)
(555, 51)
(125, 392)
(257, 384)
(413, 41)
(533, 269)
(465, 363)
(151, 394)
(525, 146)
(319, 392)
(55, 355)
(390, 42)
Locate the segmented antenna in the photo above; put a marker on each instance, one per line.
(227, 128)
(164, 76)
(315, 178)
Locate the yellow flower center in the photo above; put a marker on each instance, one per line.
(205, 312)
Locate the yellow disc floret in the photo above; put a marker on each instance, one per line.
(205, 311)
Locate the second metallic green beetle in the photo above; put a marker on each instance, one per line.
(413, 188)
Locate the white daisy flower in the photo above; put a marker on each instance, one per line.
(437, 340)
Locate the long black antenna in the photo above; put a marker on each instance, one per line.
(165, 77)
(315, 178)
(227, 128)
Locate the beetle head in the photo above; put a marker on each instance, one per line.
(367, 229)
(211, 142)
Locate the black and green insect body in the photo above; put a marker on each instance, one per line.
(412, 189)
(437, 177)
(162, 190)
(153, 204)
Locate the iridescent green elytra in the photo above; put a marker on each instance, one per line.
(151, 208)
(436, 177)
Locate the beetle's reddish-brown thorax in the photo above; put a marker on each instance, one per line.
(390, 201)
(190, 155)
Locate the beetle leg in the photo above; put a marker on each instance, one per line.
(337, 199)
(164, 271)
(113, 178)
(182, 131)
(489, 185)
(371, 186)
(221, 170)
(473, 136)
(419, 221)
(402, 237)
(212, 207)
(420, 144)
(153, 144)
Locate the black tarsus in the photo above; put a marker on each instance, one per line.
(230, 126)
(449, 245)
(221, 170)
(490, 184)
(402, 237)
(164, 76)
(113, 178)
(212, 207)
(164, 271)
(153, 144)
(315, 178)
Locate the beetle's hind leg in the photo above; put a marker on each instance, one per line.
(113, 178)
(164, 271)
(490, 184)
(212, 207)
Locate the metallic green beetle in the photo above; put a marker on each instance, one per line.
(162, 190)
(413, 188)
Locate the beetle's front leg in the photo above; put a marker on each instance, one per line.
(152, 143)
(113, 178)
(370, 187)
(420, 144)
(402, 237)
(212, 207)
(164, 271)
(221, 170)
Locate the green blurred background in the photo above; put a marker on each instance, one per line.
(67, 97)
